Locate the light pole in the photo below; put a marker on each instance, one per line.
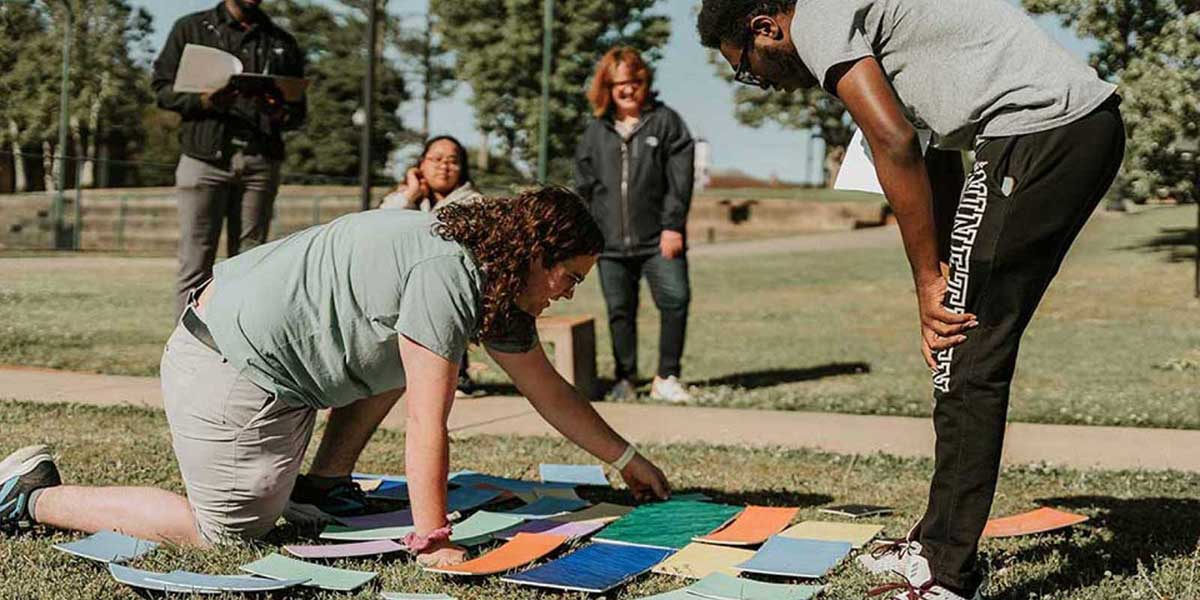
(56, 208)
(544, 126)
(368, 105)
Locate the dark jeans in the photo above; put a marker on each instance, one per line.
(1024, 203)
(671, 290)
(208, 195)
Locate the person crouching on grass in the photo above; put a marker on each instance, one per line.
(346, 316)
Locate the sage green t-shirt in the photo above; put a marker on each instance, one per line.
(315, 317)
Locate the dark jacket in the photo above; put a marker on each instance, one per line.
(266, 48)
(637, 188)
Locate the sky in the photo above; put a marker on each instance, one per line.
(686, 81)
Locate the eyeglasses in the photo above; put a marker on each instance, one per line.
(742, 74)
(576, 278)
(448, 161)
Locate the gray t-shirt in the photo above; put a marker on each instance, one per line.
(315, 317)
(960, 68)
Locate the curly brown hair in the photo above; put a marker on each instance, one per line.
(505, 234)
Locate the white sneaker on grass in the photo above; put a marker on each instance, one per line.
(889, 556)
(917, 581)
(623, 391)
(669, 389)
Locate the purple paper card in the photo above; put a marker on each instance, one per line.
(396, 518)
(373, 548)
(571, 530)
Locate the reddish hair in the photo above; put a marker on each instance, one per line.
(600, 94)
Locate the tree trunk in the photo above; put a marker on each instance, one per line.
(833, 164)
(483, 155)
(88, 174)
(20, 184)
(49, 166)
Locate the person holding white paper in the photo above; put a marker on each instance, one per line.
(231, 142)
(983, 246)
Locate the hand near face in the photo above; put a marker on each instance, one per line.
(415, 187)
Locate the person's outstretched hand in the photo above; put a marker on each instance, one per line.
(940, 327)
(443, 554)
(645, 480)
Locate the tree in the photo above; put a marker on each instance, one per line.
(807, 109)
(1152, 47)
(498, 50)
(424, 55)
(327, 147)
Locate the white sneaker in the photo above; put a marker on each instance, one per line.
(623, 391)
(889, 556)
(669, 390)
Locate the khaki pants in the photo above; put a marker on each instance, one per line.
(238, 446)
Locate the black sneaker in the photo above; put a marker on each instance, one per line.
(28, 469)
(466, 387)
(310, 503)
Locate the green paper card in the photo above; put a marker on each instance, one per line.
(278, 566)
(482, 526)
(720, 586)
(670, 524)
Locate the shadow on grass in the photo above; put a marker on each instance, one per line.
(1177, 243)
(1140, 530)
(772, 377)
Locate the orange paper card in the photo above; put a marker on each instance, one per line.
(1035, 521)
(523, 549)
(753, 526)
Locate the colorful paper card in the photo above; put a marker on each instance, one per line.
(855, 511)
(1037, 521)
(482, 526)
(224, 583)
(508, 484)
(573, 474)
(752, 526)
(595, 568)
(144, 580)
(107, 546)
(693, 496)
(720, 586)
(355, 534)
(521, 550)
(858, 534)
(470, 498)
(543, 508)
(571, 531)
(790, 557)
(603, 512)
(278, 566)
(701, 560)
(395, 518)
(371, 548)
(670, 524)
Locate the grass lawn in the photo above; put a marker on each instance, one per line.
(1141, 541)
(1116, 341)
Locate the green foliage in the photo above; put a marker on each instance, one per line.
(498, 50)
(812, 109)
(1153, 48)
(328, 144)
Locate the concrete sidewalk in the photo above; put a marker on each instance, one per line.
(1065, 445)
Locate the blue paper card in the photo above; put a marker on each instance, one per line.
(469, 498)
(548, 507)
(107, 546)
(594, 568)
(792, 557)
(574, 474)
(224, 583)
(144, 579)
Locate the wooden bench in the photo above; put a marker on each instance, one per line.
(574, 341)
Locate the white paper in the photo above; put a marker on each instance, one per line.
(857, 173)
(205, 69)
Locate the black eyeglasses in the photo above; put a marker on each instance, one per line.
(742, 74)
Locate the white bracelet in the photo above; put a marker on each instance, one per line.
(626, 456)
